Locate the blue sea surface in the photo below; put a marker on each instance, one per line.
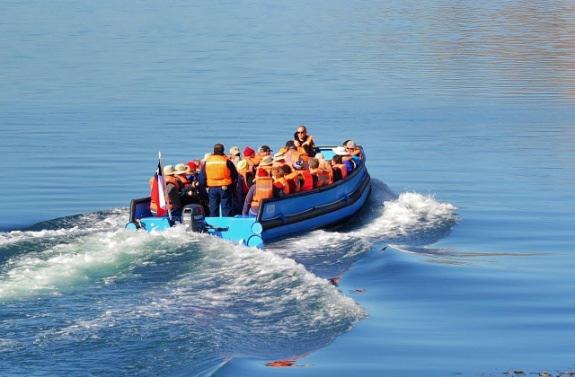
(461, 263)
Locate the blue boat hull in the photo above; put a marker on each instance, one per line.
(280, 217)
(307, 211)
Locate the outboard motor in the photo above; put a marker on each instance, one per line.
(193, 217)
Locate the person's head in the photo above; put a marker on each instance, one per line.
(301, 132)
(279, 159)
(313, 163)
(249, 152)
(235, 151)
(181, 169)
(169, 170)
(219, 149)
(336, 160)
(290, 145)
(192, 165)
(242, 166)
(277, 172)
(286, 169)
(351, 147)
(265, 150)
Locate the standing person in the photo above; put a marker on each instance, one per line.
(304, 142)
(219, 176)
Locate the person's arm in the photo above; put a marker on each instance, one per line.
(233, 170)
(202, 176)
(248, 200)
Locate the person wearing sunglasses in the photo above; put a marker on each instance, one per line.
(304, 142)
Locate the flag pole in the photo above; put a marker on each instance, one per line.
(164, 183)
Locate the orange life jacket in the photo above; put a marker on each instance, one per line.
(322, 178)
(183, 179)
(173, 180)
(253, 161)
(302, 152)
(264, 190)
(282, 184)
(342, 168)
(167, 179)
(217, 171)
(307, 180)
(293, 180)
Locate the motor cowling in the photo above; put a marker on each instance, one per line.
(194, 218)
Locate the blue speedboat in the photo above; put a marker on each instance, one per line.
(277, 218)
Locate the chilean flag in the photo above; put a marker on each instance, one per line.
(158, 194)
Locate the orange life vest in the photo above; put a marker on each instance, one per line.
(173, 180)
(217, 171)
(183, 179)
(281, 183)
(293, 180)
(168, 179)
(264, 190)
(322, 178)
(253, 161)
(342, 168)
(307, 180)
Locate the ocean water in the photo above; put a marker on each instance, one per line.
(461, 263)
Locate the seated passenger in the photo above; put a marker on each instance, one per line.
(262, 188)
(242, 186)
(279, 159)
(352, 149)
(319, 176)
(263, 151)
(280, 183)
(197, 191)
(234, 155)
(325, 165)
(292, 178)
(304, 142)
(175, 196)
(266, 165)
(346, 158)
(250, 157)
(291, 153)
(189, 188)
(306, 179)
(181, 172)
(339, 168)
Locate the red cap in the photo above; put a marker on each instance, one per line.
(248, 152)
(192, 165)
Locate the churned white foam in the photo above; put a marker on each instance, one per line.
(248, 294)
(409, 216)
(236, 298)
(411, 213)
(80, 225)
(83, 260)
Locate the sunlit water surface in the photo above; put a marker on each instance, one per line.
(461, 263)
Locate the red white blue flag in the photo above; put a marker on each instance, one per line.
(158, 195)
